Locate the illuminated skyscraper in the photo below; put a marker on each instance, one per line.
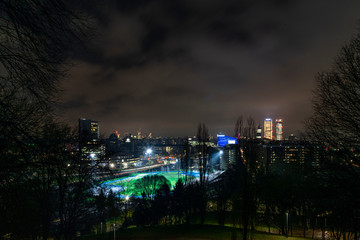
(279, 129)
(268, 132)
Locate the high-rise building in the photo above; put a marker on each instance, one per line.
(258, 132)
(88, 130)
(279, 129)
(268, 129)
(228, 156)
(89, 144)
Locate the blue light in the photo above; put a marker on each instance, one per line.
(224, 140)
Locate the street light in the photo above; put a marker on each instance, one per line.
(221, 153)
(126, 211)
(148, 153)
(287, 224)
(114, 230)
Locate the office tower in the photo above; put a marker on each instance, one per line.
(88, 131)
(268, 132)
(258, 132)
(89, 145)
(279, 129)
(228, 156)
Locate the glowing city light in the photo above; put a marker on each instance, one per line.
(148, 151)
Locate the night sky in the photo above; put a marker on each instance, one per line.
(166, 65)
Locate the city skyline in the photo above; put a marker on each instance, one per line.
(168, 66)
(213, 94)
(272, 132)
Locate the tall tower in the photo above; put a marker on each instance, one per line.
(268, 132)
(258, 132)
(88, 130)
(89, 144)
(279, 129)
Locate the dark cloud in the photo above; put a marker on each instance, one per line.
(166, 65)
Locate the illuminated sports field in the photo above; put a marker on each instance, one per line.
(125, 185)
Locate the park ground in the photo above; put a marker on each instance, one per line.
(185, 232)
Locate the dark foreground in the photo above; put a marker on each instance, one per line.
(183, 232)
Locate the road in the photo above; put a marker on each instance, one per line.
(131, 170)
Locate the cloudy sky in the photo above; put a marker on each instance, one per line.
(166, 65)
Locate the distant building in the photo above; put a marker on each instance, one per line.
(292, 137)
(225, 140)
(279, 129)
(258, 132)
(139, 136)
(88, 130)
(288, 152)
(228, 156)
(268, 129)
(89, 143)
(112, 144)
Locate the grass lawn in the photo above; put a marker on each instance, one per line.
(183, 232)
(125, 185)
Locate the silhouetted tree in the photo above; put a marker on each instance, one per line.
(336, 124)
(192, 200)
(36, 38)
(239, 128)
(186, 159)
(251, 128)
(221, 199)
(161, 205)
(142, 211)
(70, 180)
(242, 177)
(149, 184)
(100, 201)
(203, 160)
(336, 118)
(154, 206)
(177, 207)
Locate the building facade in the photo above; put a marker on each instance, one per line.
(258, 132)
(279, 130)
(268, 129)
(90, 147)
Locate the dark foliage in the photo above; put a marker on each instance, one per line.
(336, 123)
